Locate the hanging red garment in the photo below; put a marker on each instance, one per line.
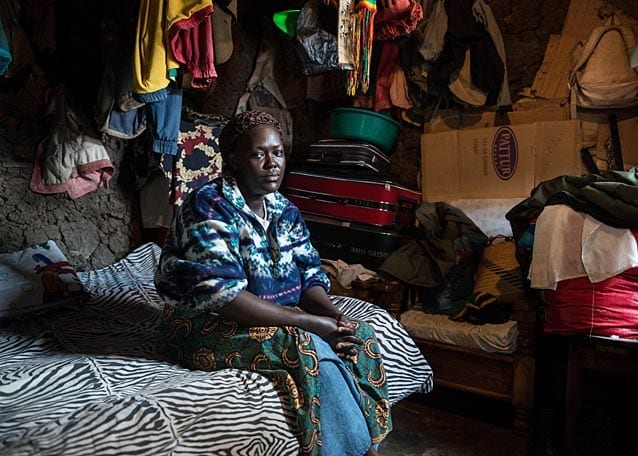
(399, 17)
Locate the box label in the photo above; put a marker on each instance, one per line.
(504, 153)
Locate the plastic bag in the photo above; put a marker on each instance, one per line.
(316, 47)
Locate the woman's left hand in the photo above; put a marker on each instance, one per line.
(342, 339)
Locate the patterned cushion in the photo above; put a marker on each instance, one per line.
(35, 279)
(499, 272)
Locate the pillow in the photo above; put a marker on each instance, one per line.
(37, 278)
(499, 272)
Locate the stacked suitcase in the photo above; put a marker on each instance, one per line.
(355, 212)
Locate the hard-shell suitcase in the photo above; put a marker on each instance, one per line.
(346, 154)
(354, 243)
(356, 198)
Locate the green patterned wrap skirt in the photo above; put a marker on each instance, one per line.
(287, 357)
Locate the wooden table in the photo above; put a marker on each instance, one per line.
(602, 354)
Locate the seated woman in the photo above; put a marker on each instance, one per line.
(243, 289)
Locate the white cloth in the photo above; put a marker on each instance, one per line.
(569, 244)
(607, 251)
(488, 213)
(345, 35)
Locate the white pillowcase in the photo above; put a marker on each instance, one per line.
(37, 278)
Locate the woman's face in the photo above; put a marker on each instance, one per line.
(259, 162)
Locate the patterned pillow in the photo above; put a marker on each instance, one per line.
(37, 278)
(499, 273)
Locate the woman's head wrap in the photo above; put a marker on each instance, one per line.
(240, 124)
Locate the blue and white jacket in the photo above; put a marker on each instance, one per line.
(216, 247)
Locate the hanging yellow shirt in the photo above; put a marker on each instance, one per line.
(153, 63)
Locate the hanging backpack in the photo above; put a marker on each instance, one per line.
(262, 92)
(602, 77)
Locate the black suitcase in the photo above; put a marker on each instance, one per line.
(353, 243)
(341, 153)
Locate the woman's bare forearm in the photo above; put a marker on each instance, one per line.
(315, 301)
(248, 309)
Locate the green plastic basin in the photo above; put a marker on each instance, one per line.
(364, 125)
(286, 21)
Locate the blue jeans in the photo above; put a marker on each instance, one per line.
(343, 429)
(164, 113)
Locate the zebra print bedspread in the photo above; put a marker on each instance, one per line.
(89, 382)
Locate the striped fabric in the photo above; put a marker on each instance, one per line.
(90, 383)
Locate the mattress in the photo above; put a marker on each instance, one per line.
(493, 338)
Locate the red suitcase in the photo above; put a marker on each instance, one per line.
(372, 200)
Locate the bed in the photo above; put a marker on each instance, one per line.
(87, 380)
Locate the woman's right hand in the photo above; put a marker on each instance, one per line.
(340, 334)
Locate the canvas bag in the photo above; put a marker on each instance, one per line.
(263, 94)
(602, 77)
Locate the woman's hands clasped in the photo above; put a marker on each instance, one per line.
(339, 332)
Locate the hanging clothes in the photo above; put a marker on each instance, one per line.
(169, 34)
(5, 51)
(391, 86)
(484, 16)
(363, 36)
(17, 46)
(164, 27)
(70, 158)
(434, 33)
(190, 39)
(399, 17)
(40, 24)
(118, 114)
(345, 31)
(262, 92)
(465, 33)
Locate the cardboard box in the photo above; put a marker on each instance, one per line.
(497, 162)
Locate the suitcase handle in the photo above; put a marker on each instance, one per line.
(405, 215)
(334, 156)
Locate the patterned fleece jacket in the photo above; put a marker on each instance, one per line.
(217, 247)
